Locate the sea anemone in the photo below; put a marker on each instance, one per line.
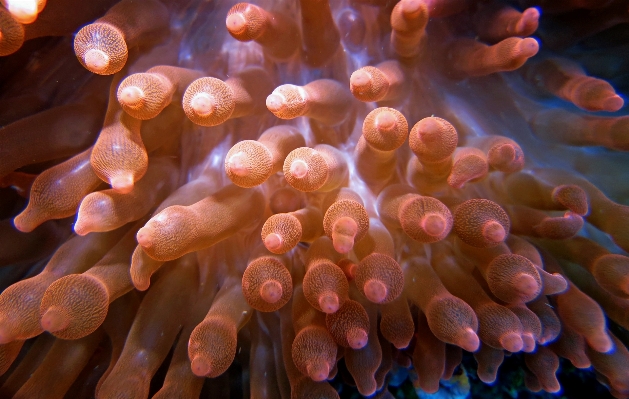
(288, 195)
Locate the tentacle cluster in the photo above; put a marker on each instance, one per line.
(310, 194)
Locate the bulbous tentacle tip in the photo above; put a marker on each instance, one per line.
(25, 221)
(141, 283)
(87, 223)
(430, 387)
(527, 286)
(600, 342)
(318, 371)
(544, 339)
(343, 234)
(528, 47)
(82, 226)
(342, 244)
(429, 130)
(552, 386)
(122, 183)
(299, 169)
(531, 13)
(528, 22)
(24, 12)
(144, 237)
(559, 228)
(131, 96)
(273, 242)
(329, 303)
(74, 306)
(54, 319)
(237, 164)
(96, 61)
(360, 79)
(275, 103)
(141, 279)
(528, 343)
(582, 362)
(202, 104)
(433, 224)
(613, 103)
(494, 232)
(386, 121)
(236, 23)
(401, 344)
(512, 342)
(468, 340)
(357, 338)
(375, 290)
(411, 8)
(487, 377)
(553, 283)
(503, 154)
(271, 291)
(571, 197)
(201, 366)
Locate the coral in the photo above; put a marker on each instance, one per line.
(303, 196)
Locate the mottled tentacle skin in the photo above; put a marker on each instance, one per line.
(12, 33)
(314, 349)
(107, 210)
(568, 81)
(498, 327)
(481, 223)
(363, 363)
(145, 95)
(275, 32)
(422, 218)
(325, 285)
(142, 265)
(384, 131)
(283, 231)
(324, 100)
(250, 163)
(212, 344)
(75, 305)
(408, 22)
(450, 319)
(57, 192)
(210, 101)
(349, 326)
(191, 228)
(19, 304)
(345, 221)
(266, 283)
(103, 46)
(321, 168)
(383, 82)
